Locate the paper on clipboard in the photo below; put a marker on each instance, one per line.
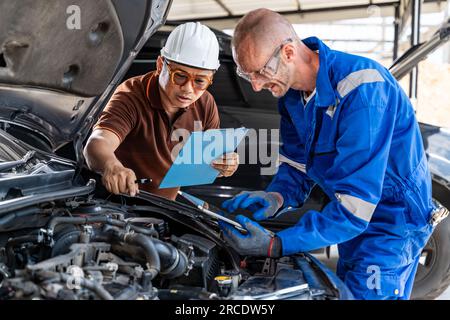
(193, 164)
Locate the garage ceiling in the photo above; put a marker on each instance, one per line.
(191, 9)
(223, 14)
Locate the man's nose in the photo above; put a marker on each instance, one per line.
(188, 87)
(257, 85)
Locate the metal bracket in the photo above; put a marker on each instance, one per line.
(438, 215)
(269, 266)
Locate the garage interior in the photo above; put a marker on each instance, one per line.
(83, 209)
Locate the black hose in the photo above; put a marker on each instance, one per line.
(7, 219)
(167, 253)
(174, 263)
(144, 242)
(160, 256)
(76, 220)
(9, 247)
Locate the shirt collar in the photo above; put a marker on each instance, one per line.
(308, 98)
(152, 91)
(325, 95)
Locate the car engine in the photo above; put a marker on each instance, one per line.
(85, 249)
(89, 250)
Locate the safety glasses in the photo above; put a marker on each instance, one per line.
(180, 78)
(269, 70)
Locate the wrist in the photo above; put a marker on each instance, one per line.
(110, 164)
(279, 198)
(275, 248)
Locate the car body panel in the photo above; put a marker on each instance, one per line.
(57, 80)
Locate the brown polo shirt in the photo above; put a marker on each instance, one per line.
(135, 114)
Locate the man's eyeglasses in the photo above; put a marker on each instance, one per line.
(270, 69)
(180, 77)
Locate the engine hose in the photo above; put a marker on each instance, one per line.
(160, 256)
(144, 242)
(76, 220)
(5, 220)
(123, 224)
(97, 219)
(174, 262)
(9, 247)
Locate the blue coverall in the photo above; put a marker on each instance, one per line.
(359, 140)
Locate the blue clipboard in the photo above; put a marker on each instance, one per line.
(193, 163)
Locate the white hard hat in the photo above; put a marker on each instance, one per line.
(193, 44)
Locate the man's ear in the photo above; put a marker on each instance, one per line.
(159, 64)
(288, 52)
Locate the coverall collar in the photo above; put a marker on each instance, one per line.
(325, 95)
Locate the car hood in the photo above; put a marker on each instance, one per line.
(60, 60)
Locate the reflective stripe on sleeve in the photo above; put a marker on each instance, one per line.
(292, 163)
(358, 207)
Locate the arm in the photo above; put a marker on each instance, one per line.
(100, 148)
(117, 119)
(356, 178)
(100, 157)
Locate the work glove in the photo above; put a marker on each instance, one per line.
(257, 242)
(264, 205)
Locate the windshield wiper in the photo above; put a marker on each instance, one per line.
(5, 166)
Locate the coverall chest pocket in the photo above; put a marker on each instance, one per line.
(324, 147)
(323, 158)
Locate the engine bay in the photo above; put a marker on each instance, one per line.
(84, 249)
(62, 237)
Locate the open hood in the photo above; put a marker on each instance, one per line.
(60, 60)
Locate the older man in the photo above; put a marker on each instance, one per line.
(347, 126)
(136, 133)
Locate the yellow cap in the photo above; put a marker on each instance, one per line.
(223, 279)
